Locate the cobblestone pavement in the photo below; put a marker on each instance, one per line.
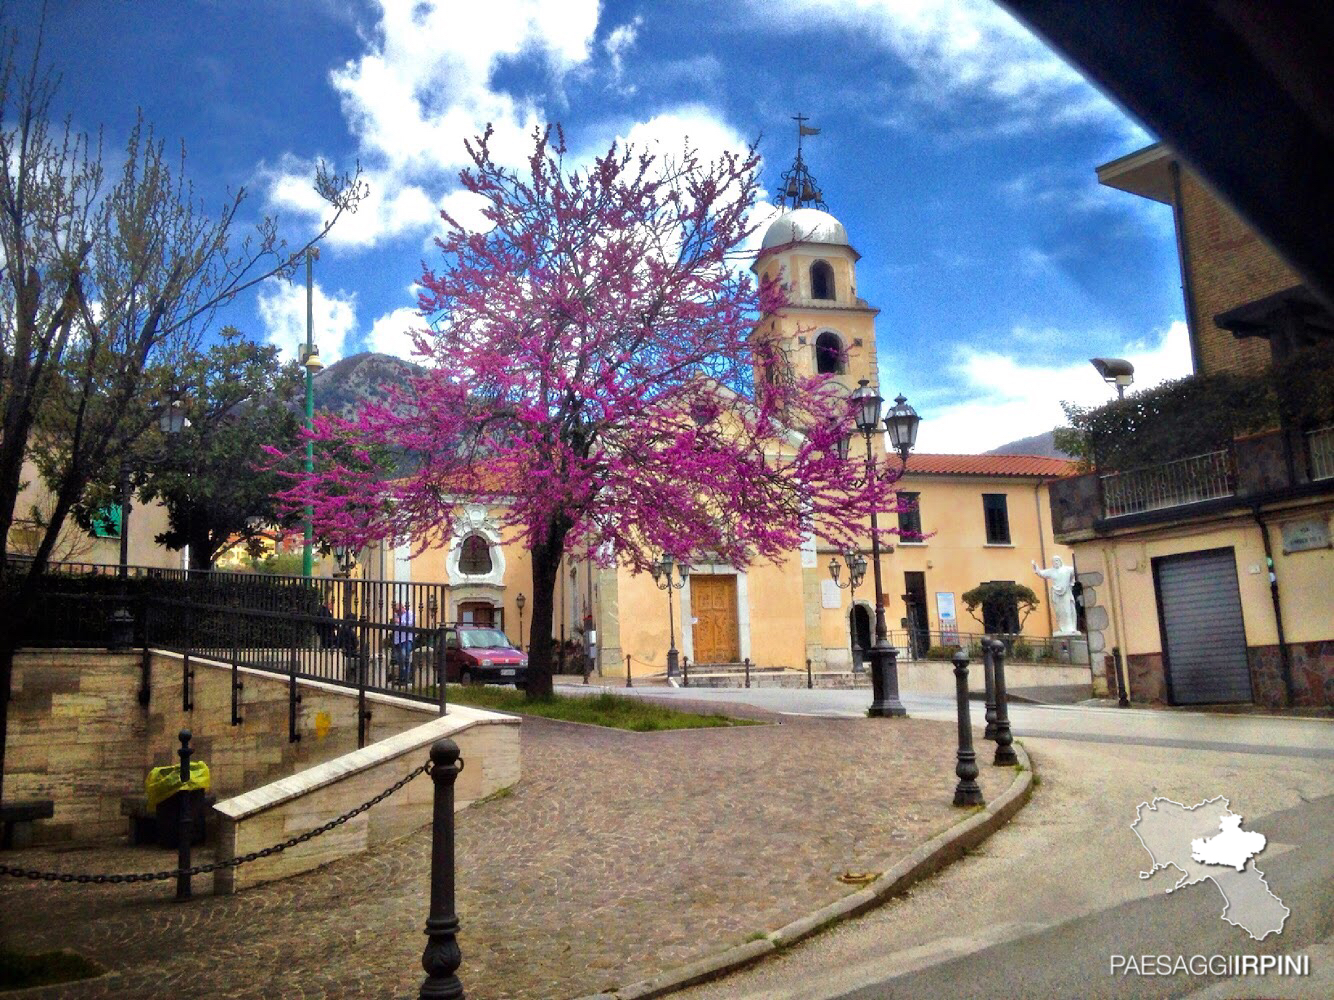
(617, 856)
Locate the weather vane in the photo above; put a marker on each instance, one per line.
(797, 186)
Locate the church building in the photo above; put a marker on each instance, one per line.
(981, 517)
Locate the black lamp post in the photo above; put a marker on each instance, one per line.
(170, 421)
(856, 573)
(662, 579)
(901, 423)
(520, 601)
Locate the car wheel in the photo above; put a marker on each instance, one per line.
(466, 677)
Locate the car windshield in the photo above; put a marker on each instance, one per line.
(483, 638)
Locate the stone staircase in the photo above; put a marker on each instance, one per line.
(729, 675)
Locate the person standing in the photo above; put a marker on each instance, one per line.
(402, 641)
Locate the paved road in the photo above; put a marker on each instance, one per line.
(1040, 910)
(1257, 734)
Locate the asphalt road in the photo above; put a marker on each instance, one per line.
(1041, 909)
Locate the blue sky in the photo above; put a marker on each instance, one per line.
(958, 151)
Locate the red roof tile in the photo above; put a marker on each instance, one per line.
(1035, 466)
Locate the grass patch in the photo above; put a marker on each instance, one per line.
(611, 710)
(19, 971)
(496, 796)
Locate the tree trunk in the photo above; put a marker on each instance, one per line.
(546, 569)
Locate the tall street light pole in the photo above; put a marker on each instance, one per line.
(662, 579)
(902, 426)
(310, 360)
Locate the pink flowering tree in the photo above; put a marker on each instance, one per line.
(590, 373)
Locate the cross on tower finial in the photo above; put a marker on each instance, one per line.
(797, 186)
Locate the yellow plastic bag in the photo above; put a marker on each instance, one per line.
(164, 782)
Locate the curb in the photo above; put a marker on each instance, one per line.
(928, 859)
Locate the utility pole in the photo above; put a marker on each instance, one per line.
(310, 360)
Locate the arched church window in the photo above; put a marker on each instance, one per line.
(475, 557)
(829, 358)
(822, 280)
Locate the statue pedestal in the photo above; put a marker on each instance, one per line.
(1071, 649)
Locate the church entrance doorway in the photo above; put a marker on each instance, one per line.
(477, 613)
(859, 625)
(713, 606)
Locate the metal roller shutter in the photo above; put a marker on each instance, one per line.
(1204, 636)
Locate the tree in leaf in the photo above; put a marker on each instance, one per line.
(589, 372)
(108, 280)
(1004, 605)
(212, 477)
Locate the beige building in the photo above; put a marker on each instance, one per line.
(101, 547)
(984, 518)
(1211, 575)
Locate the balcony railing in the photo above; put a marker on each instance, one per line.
(1320, 444)
(1172, 484)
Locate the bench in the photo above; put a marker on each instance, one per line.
(18, 817)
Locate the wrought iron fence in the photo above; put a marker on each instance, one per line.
(353, 652)
(934, 644)
(342, 597)
(1172, 484)
(1320, 446)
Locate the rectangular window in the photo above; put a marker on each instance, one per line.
(997, 517)
(910, 522)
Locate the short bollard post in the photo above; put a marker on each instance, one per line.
(441, 957)
(810, 678)
(685, 671)
(1122, 683)
(747, 671)
(967, 792)
(184, 831)
(1005, 756)
(628, 681)
(989, 675)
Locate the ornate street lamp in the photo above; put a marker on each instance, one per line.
(856, 573)
(662, 579)
(902, 427)
(520, 601)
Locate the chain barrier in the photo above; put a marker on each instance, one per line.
(39, 876)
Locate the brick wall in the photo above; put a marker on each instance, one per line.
(1229, 266)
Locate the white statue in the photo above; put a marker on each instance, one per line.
(1061, 578)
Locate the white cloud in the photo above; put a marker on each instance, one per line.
(282, 308)
(617, 44)
(1001, 397)
(423, 86)
(392, 333)
(967, 48)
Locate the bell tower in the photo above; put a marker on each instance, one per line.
(826, 329)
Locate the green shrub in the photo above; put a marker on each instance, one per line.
(942, 652)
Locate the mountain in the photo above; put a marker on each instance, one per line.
(1038, 444)
(345, 385)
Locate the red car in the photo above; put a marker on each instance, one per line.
(482, 654)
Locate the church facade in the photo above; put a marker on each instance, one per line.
(983, 517)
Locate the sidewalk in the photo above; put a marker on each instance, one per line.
(617, 857)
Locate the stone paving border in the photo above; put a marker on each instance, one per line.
(926, 860)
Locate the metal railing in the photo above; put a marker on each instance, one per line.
(1172, 484)
(343, 597)
(934, 644)
(1320, 446)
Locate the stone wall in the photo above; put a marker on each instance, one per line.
(1312, 676)
(78, 736)
(293, 805)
